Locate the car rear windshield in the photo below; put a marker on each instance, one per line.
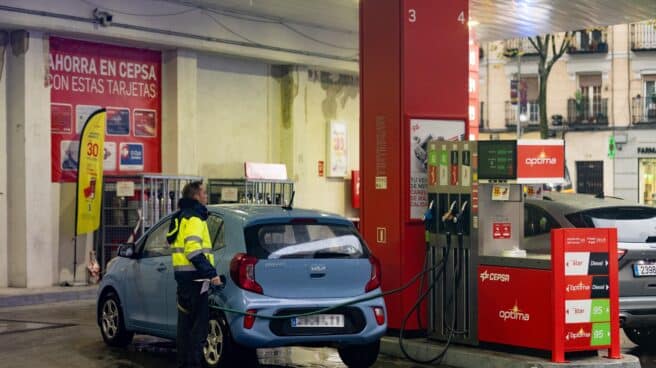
(634, 224)
(311, 240)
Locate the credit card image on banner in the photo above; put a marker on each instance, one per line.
(132, 157)
(109, 156)
(68, 155)
(118, 121)
(145, 123)
(61, 118)
(82, 113)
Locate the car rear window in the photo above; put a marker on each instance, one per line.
(634, 224)
(312, 240)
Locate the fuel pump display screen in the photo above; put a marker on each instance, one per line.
(497, 160)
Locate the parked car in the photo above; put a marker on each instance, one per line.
(277, 262)
(636, 232)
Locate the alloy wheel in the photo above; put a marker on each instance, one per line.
(110, 318)
(214, 345)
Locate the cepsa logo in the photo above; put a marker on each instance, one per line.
(514, 314)
(493, 276)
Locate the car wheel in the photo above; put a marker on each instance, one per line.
(112, 325)
(360, 356)
(644, 336)
(221, 351)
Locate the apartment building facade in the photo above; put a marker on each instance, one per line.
(602, 90)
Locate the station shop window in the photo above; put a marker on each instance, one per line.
(647, 173)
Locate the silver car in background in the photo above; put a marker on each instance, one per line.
(636, 232)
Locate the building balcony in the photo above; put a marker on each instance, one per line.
(589, 42)
(643, 110)
(587, 113)
(519, 45)
(531, 111)
(643, 36)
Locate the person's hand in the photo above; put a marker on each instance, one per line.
(216, 281)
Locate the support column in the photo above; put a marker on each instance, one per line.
(4, 40)
(179, 112)
(30, 196)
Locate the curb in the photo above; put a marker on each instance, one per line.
(47, 297)
(465, 356)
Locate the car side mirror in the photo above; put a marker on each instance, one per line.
(126, 250)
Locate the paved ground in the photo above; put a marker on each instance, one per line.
(65, 335)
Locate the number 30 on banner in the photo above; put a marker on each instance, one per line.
(92, 149)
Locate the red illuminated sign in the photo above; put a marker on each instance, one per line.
(540, 161)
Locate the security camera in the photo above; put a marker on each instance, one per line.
(102, 17)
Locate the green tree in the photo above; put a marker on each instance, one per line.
(546, 61)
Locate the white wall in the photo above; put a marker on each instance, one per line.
(317, 103)
(3, 168)
(233, 117)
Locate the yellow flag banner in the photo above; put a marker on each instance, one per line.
(90, 173)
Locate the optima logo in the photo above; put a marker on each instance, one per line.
(514, 314)
(492, 276)
(581, 334)
(578, 287)
(542, 159)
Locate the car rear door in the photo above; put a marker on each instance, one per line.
(308, 259)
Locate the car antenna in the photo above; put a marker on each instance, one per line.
(289, 205)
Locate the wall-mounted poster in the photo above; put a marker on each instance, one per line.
(423, 131)
(86, 76)
(337, 155)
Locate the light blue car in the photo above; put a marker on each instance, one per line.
(277, 262)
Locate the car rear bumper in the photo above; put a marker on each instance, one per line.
(637, 312)
(265, 334)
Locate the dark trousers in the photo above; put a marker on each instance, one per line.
(193, 321)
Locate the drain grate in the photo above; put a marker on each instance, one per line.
(8, 326)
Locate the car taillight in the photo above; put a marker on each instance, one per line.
(620, 253)
(242, 272)
(374, 280)
(249, 321)
(379, 313)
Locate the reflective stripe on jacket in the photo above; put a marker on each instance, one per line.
(193, 239)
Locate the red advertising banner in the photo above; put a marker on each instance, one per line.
(86, 76)
(540, 161)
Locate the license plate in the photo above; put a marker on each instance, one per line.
(319, 320)
(640, 270)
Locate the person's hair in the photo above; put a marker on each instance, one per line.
(191, 189)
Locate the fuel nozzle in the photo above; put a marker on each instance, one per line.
(428, 215)
(449, 215)
(458, 216)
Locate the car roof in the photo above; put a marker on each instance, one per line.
(571, 202)
(249, 213)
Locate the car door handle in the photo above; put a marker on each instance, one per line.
(317, 275)
(161, 267)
